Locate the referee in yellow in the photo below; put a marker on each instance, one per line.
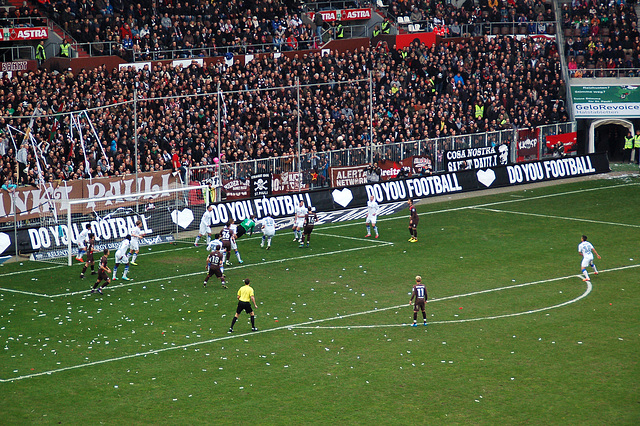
(245, 297)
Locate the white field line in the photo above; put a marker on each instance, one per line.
(203, 273)
(457, 296)
(495, 203)
(358, 223)
(548, 216)
(370, 240)
(307, 323)
(28, 293)
(516, 314)
(78, 263)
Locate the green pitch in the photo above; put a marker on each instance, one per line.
(514, 335)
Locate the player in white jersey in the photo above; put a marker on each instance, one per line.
(136, 235)
(234, 245)
(122, 257)
(586, 250)
(83, 237)
(373, 208)
(268, 227)
(298, 221)
(205, 225)
(214, 243)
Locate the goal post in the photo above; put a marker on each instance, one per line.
(167, 216)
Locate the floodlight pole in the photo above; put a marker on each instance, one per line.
(135, 134)
(298, 103)
(370, 116)
(218, 104)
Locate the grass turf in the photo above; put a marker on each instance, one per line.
(514, 335)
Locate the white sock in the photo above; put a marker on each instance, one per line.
(269, 242)
(375, 228)
(208, 239)
(135, 256)
(126, 269)
(368, 230)
(585, 273)
(238, 256)
(197, 239)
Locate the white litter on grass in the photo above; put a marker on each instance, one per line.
(620, 338)
(513, 378)
(579, 343)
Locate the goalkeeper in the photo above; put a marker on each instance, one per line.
(245, 226)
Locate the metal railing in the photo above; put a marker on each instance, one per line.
(335, 5)
(101, 48)
(201, 52)
(16, 53)
(319, 162)
(29, 21)
(604, 72)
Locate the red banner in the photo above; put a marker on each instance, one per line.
(527, 148)
(22, 34)
(348, 176)
(568, 140)
(286, 182)
(412, 165)
(236, 188)
(32, 202)
(343, 15)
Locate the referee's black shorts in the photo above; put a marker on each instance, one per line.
(244, 306)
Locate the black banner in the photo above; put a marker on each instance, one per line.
(476, 158)
(165, 220)
(261, 185)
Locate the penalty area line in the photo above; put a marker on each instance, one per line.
(203, 273)
(548, 216)
(303, 325)
(515, 314)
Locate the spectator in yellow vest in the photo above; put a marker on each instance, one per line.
(636, 145)
(65, 49)
(41, 55)
(628, 147)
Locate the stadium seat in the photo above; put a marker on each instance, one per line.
(416, 27)
(410, 28)
(551, 29)
(568, 32)
(523, 30)
(495, 30)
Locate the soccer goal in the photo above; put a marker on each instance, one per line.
(167, 216)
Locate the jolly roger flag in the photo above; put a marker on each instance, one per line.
(261, 185)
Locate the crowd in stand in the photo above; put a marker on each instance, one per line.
(533, 14)
(601, 35)
(420, 92)
(189, 27)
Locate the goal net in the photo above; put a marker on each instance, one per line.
(167, 216)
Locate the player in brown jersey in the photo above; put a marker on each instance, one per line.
(226, 234)
(310, 220)
(214, 266)
(420, 295)
(413, 222)
(90, 261)
(103, 273)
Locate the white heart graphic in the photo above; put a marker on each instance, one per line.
(182, 218)
(5, 242)
(342, 197)
(486, 177)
